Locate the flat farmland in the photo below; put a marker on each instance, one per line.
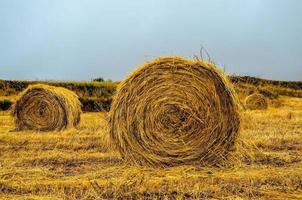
(80, 163)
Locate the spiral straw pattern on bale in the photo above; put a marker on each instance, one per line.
(174, 111)
(47, 108)
(256, 101)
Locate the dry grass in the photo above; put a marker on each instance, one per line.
(46, 108)
(76, 164)
(173, 111)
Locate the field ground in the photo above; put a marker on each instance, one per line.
(75, 164)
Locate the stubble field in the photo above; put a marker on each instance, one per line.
(79, 163)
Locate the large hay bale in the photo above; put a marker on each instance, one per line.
(46, 108)
(174, 111)
(256, 101)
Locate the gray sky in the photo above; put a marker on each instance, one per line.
(84, 39)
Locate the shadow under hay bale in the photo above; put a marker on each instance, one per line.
(256, 101)
(46, 108)
(174, 111)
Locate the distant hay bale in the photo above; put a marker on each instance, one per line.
(174, 111)
(256, 101)
(46, 108)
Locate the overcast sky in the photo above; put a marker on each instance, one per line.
(84, 39)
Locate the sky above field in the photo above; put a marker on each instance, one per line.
(81, 40)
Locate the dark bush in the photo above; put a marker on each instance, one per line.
(90, 89)
(5, 104)
(99, 79)
(95, 104)
(297, 85)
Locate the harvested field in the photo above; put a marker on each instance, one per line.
(75, 164)
(150, 100)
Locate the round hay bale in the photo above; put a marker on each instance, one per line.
(256, 101)
(174, 111)
(46, 108)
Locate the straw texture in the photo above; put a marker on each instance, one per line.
(256, 101)
(47, 108)
(174, 111)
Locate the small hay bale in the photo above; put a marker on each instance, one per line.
(46, 108)
(256, 101)
(174, 111)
